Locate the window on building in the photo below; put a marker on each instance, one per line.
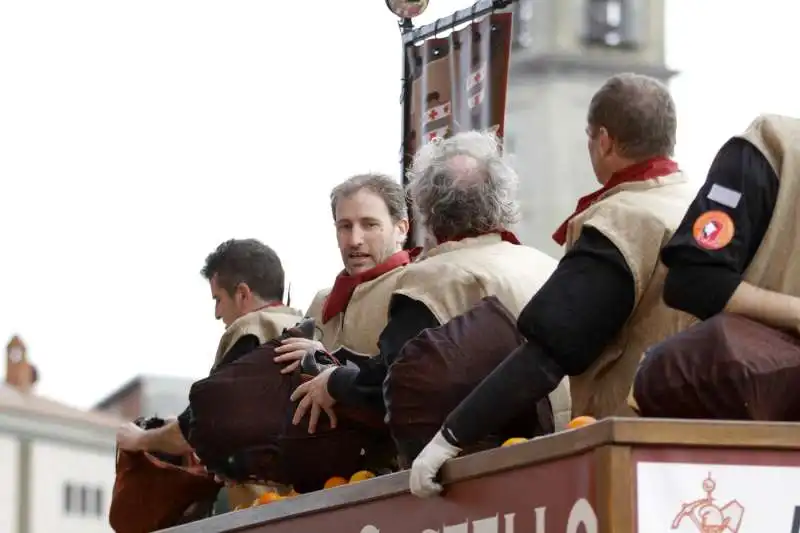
(509, 144)
(69, 504)
(83, 500)
(611, 23)
(523, 17)
(99, 502)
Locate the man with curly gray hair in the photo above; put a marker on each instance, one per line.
(602, 306)
(462, 187)
(465, 194)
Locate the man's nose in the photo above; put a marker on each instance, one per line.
(356, 237)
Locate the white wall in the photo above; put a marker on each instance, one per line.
(9, 483)
(52, 466)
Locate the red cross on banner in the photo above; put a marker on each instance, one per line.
(437, 113)
(436, 134)
(476, 99)
(476, 77)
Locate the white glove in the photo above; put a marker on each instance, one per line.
(427, 465)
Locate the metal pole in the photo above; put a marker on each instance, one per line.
(406, 26)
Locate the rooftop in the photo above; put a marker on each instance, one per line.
(28, 403)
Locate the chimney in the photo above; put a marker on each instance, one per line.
(19, 372)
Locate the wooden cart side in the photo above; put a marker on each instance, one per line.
(615, 488)
(611, 443)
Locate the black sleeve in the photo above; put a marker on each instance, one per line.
(701, 280)
(183, 422)
(568, 323)
(583, 305)
(243, 346)
(364, 385)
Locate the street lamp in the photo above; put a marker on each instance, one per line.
(407, 9)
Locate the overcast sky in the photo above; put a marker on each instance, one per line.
(136, 136)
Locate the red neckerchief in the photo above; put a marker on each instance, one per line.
(505, 235)
(268, 305)
(345, 284)
(657, 167)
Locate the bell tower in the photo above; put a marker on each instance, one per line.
(19, 372)
(563, 52)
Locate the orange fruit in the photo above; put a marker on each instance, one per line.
(335, 481)
(514, 440)
(580, 421)
(269, 497)
(361, 475)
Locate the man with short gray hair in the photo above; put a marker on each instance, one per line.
(465, 193)
(602, 306)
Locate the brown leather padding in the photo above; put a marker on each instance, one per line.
(150, 494)
(728, 367)
(241, 427)
(437, 369)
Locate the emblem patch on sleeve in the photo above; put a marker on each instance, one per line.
(713, 230)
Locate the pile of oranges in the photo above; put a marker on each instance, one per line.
(271, 496)
(336, 481)
(575, 423)
(580, 421)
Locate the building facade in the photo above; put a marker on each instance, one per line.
(57, 463)
(563, 52)
(146, 395)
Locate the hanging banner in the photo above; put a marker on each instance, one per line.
(459, 82)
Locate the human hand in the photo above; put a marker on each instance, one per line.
(130, 437)
(292, 351)
(313, 395)
(426, 466)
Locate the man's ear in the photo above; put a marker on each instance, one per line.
(242, 292)
(401, 227)
(605, 141)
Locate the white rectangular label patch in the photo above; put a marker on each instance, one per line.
(725, 196)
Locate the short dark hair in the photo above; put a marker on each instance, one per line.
(389, 189)
(639, 114)
(247, 261)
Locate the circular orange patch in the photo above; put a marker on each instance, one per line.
(713, 230)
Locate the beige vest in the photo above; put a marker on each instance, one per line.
(360, 325)
(452, 277)
(776, 265)
(265, 324)
(639, 218)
